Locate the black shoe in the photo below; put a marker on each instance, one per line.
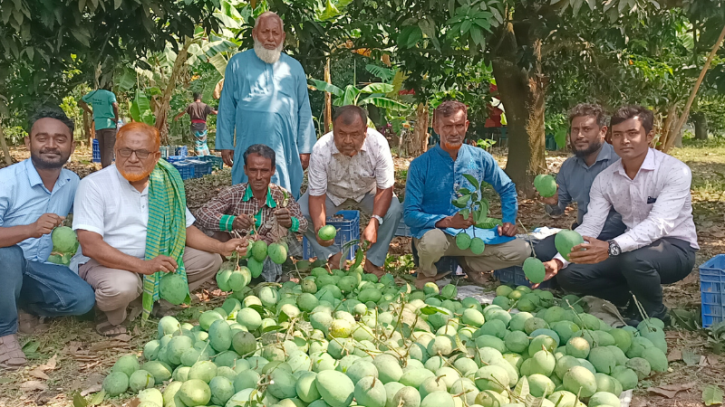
(635, 320)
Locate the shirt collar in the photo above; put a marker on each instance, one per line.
(649, 161)
(648, 164)
(443, 153)
(35, 180)
(248, 194)
(605, 153)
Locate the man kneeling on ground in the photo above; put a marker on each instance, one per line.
(256, 205)
(132, 221)
(35, 197)
(651, 190)
(351, 168)
(434, 221)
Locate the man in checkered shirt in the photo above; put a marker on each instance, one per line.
(255, 206)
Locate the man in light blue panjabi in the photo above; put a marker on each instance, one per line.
(265, 101)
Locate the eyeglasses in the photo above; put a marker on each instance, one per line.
(140, 154)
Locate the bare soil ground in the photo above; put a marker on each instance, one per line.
(69, 360)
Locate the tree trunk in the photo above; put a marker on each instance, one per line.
(4, 144)
(700, 126)
(328, 99)
(419, 143)
(666, 131)
(87, 130)
(523, 97)
(162, 112)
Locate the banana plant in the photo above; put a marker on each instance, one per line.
(372, 94)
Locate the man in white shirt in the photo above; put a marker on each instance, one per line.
(651, 190)
(114, 209)
(352, 168)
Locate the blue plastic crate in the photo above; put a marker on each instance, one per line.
(201, 168)
(182, 151)
(514, 275)
(186, 170)
(175, 158)
(712, 290)
(348, 228)
(216, 162)
(96, 152)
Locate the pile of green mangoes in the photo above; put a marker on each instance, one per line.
(340, 338)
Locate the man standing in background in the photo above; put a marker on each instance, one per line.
(265, 101)
(198, 111)
(105, 115)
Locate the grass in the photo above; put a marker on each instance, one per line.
(84, 357)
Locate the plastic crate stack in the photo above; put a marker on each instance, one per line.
(348, 228)
(712, 290)
(201, 168)
(216, 162)
(186, 169)
(96, 152)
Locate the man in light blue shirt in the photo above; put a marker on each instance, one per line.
(434, 178)
(35, 197)
(265, 101)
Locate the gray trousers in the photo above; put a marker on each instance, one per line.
(106, 143)
(377, 252)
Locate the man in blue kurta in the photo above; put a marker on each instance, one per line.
(265, 101)
(434, 178)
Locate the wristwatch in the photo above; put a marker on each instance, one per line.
(614, 249)
(379, 219)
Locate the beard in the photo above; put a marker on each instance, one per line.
(135, 176)
(593, 147)
(43, 164)
(269, 56)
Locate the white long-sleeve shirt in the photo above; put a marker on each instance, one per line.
(655, 204)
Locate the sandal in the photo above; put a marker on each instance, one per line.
(11, 354)
(105, 328)
(421, 280)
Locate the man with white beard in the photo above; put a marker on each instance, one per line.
(265, 101)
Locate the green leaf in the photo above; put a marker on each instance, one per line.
(409, 37)
(79, 401)
(97, 398)
(383, 103)
(385, 74)
(350, 95)
(430, 310)
(522, 388)
(477, 36)
(377, 88)
(464, 191)
(272, 328)
(466, 26)
(219, 62)
(127, 80)
(712, 395)
(465, 213)
(428, 27)
(31, 347)
(326, 87)
(472, 180)
(462, 201)
(117, 4)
